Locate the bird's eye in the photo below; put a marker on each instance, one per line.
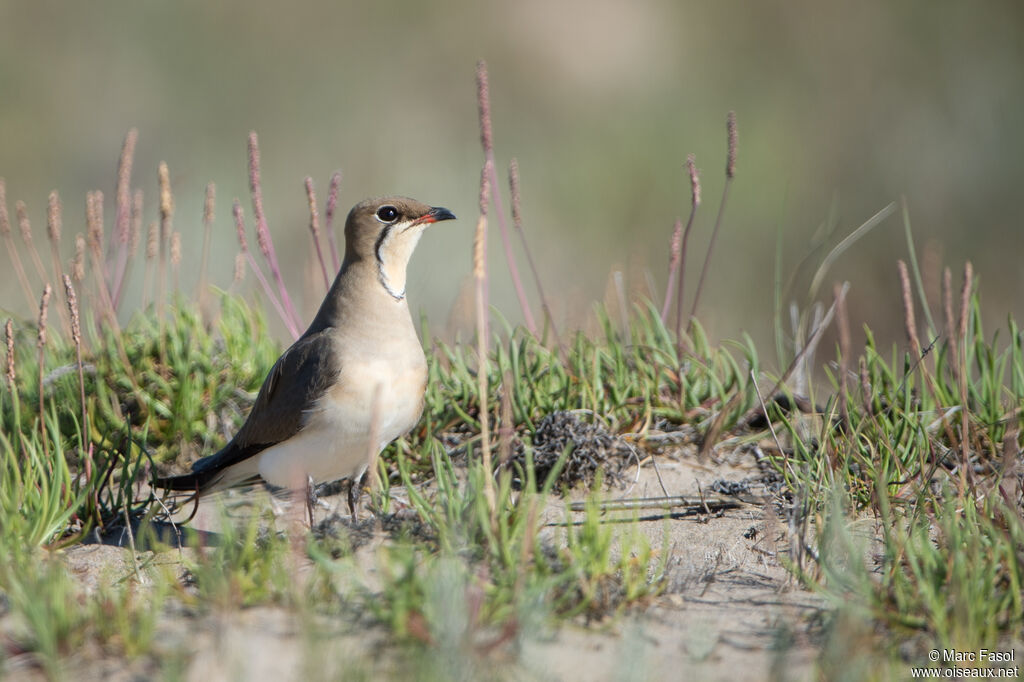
(387, 214)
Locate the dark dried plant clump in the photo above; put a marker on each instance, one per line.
(342, 534)
(593, 448)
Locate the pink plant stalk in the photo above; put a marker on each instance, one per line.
(53, 230)
(314, 228)
(26, 236)
(480, 278)
(487, 140)
(673, 266)
(123, 215)
(44, 306)
(12, 378)
(517, 222)
(269, 290)
(76, 337)
(94, 233)
(12, 250)
(164, 237)
(263, 238)
(136, 234)
(209, 205)
(691, 167)
(332, 205)
(54, 226)
(730, 171)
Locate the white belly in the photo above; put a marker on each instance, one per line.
(335, 440)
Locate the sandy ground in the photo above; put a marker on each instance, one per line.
(730, 609)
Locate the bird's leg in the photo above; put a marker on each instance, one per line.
(353, 496)
(311, 499)
(356, 484)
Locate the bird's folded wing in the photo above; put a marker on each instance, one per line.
(297, 380)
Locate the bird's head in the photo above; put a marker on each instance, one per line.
(385, 231)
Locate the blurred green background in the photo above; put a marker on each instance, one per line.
(842, 108)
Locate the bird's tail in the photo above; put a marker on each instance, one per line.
(194, 481)
(208, 476)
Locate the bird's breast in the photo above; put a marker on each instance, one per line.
(385, 398)
(385, 390)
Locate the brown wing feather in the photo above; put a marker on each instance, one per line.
(295, 382)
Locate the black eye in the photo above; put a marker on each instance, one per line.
(387, 214)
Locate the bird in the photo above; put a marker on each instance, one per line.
(358, 372)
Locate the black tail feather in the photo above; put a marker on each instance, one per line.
(191, 482)
(200, 482)
(208, 471)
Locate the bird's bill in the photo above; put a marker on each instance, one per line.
(434, 215)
